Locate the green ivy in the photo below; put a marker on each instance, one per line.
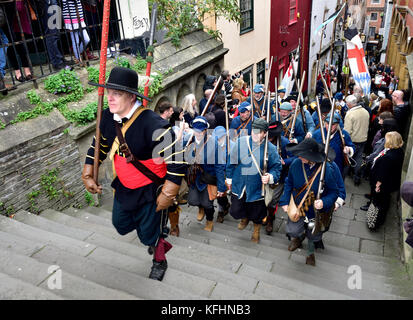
(89, 199)
(122, 62)
(140, 65)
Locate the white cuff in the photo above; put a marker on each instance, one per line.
(271, 179)
(228, 181)
(351, 152)
(340, 202)
(309, 134)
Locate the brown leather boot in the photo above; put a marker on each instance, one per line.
(174, 220)
(295, 244)
(310, 260)
(209, 225)
(201, 214)
(220, 217)
(243, 224)
(256, 234)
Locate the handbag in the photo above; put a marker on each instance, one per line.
(372, 215)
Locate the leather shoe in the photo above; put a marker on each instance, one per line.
(365, 207)
(310, 260)
(295, 244)
(158, 270)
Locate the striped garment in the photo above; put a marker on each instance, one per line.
(70, 16)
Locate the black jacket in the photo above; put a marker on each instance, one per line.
(388, 169)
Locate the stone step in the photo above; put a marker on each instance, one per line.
(16, 289)
(74, 260)
(15, 263)
(330, 272)
(194, 272)
(268, 243)
(74, 222)
(283, 258)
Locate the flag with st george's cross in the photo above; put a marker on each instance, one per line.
(357, 59)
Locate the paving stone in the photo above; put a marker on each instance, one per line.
(392, 248)
(372, 247)
(358, 201)
(345, 212)
(361, 216)
(223, 292)
(359, 229)
(343, 241)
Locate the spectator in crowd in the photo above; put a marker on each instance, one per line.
(166, 110)
(189, 108)
(204, 100)
(385, 176)
(226, 77)
(210, 82)
(356, 123)
(401, 110)
(237, 91)
(74, 20)
(14, 34)
(245, 90)
(219, 112)
(3, 60)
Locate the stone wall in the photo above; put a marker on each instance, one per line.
(407, 174)
(36, 151)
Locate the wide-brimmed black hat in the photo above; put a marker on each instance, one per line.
(275, 129)
(308, 149)
(123, 79)
(325, 106)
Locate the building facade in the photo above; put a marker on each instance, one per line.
(400, 43)
(290, 26)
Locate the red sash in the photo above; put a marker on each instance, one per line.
(131, 177)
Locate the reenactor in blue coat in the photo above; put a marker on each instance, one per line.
(242, 124)
(309, 123)
(300, 189)
(273, 192)
(286, 117)
(325, 108)
(245, 175)
(342, 151)
(206, 175)
(260, 103)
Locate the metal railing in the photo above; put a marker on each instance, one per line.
(36, 40)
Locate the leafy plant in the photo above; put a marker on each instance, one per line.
(139, 65)
(65, 81)
(89, 199)
(181, 17)
(122, 62)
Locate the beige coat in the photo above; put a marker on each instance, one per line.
(356, 123)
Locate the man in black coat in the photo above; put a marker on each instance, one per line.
(401, 110)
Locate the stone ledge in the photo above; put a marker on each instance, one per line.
(22, 132)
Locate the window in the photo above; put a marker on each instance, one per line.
(293, 12)
(375, 1)
(372, 32)
(247, 16)
(373, 16)
(261, 72)
(247, 75)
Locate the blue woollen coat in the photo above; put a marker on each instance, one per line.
(243, 172)
(339, 180)
(296, 180)
(209, 161)
(299, 132)
(236, 123)
(336, 144)
(315, 119)
(262, 108)
(309, 122)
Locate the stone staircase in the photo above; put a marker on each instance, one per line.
(97, 263)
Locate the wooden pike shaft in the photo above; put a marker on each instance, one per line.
(102, 79)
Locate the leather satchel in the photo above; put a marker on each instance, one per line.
(212, 192)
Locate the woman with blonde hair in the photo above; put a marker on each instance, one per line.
(385, 178)
(189, 108)
(237, 91)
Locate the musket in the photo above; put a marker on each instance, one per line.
(299, 100)
(277, 118)
(323, 168)
(227, 124)
(211, 97)
(296, 109)
(265, 164)
(267, 81)
(320, 121)
(101, 90)
(150, 52)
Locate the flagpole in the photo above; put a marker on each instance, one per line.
(319, 55)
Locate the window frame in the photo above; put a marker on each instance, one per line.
(290, 22)
(262, 70)
(251, 27)
(377, 16)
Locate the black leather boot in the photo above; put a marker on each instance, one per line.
(158, 270)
